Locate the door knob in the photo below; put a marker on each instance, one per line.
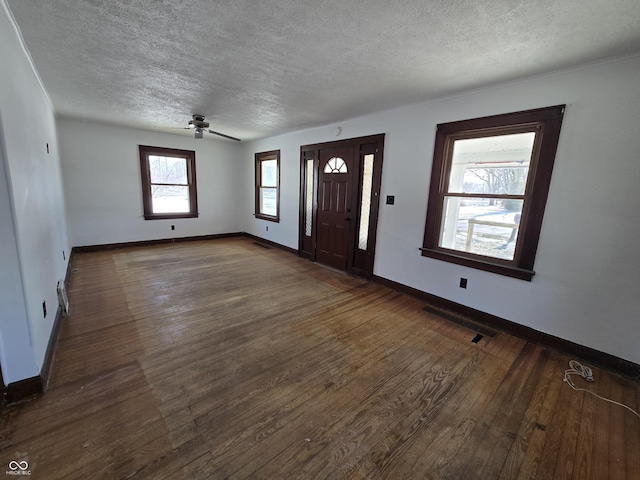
(347, 218)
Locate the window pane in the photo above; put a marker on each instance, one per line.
(497, 165)
(365, 202)
(169, 199)
(308, 212)
(168, 170)
(268, 205)
(269, 173)
(335, 165)
(482, 226)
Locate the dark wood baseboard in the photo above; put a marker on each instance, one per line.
(146, 243)
(23, 389)
(30, 387)
(270, 243)
(590, 355)
(49, 356)
(67, 275)
(33, 386)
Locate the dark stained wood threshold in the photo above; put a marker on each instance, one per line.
(595, 357)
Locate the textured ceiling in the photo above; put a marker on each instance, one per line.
(262, 68)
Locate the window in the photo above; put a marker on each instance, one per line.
(335, 165)
(168, 183)
(365, 201)
(489, 183)
(268, 185)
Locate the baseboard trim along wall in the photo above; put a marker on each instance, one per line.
(144, 243)
(29, 387)
(595, 357)
(270, 243)
(566, 347)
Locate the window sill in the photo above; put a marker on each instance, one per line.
(269, 218)
(487, 266)
(170, 216)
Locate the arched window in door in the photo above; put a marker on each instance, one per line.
(335, 165)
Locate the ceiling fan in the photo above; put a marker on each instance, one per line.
(201, 126)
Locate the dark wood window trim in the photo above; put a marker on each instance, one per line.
(546, 122)
(261, 157)
(190, 157)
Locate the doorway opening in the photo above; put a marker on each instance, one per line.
(339, 203)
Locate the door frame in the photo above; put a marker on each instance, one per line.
(360, 262)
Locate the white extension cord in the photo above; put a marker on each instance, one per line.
(576, 368)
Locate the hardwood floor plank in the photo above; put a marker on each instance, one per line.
(220, 359)
(632, 431)
(533, 427)
(599, 465)
(451, 429)
(244, 429)
(494, 434)
(617, 448)
(526, 459)
(422, 398)
(566, 462)
(346, 396)
(391, 450)
(555, 432)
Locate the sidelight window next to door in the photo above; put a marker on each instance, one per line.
(339, 201)
(365, 201)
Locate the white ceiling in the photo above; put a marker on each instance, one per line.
(259, 68)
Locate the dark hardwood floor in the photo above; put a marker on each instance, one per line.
(222, 359)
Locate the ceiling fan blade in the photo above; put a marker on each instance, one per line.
(225, 136)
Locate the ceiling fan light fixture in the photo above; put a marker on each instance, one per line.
(198, 133)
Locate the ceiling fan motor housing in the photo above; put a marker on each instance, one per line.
(198, 122)
(201, 126)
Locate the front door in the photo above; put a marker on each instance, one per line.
(335, 185)
(339, 202)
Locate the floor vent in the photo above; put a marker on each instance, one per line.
(267, 247)
(461, 321)
(477, 338)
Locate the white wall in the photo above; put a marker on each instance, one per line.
(34, 229)
(103, 191)
(587, 266)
